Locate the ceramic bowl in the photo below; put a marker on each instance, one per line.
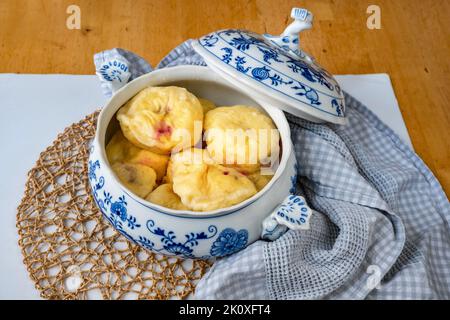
(196, 234)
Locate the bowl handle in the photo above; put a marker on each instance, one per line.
(293, 213)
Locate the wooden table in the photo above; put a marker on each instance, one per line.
(412, 46)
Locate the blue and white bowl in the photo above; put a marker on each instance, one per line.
(187, 234)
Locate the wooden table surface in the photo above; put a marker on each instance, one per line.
(413, 45)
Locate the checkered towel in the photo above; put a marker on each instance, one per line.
(381, 230)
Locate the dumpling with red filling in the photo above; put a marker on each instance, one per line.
(161, 119)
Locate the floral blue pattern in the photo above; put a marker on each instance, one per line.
(228, 242)
(294, 211)
(310, 73)
(169, 243)
(263, 73)
(242, 43)
(210, 40)
(269, 54)
(339, 106)
(114, 211)
(309, 93)
(228, 55)
(161, 240)
(93, 165)
(240, 62)
(117, 214)
(293, 188)
(296, 76)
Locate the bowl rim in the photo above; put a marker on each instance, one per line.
(187, 73)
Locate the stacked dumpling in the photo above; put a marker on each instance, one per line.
(158, 153)
(204, 185)
(162, 118)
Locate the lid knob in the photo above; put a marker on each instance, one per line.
(289, 39)
(302, 21)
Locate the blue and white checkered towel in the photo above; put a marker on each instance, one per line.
(382, 230)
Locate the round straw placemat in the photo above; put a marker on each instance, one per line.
(70, 251)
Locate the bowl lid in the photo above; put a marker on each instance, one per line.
(276, 69)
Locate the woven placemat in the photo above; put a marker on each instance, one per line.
(70, 251)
